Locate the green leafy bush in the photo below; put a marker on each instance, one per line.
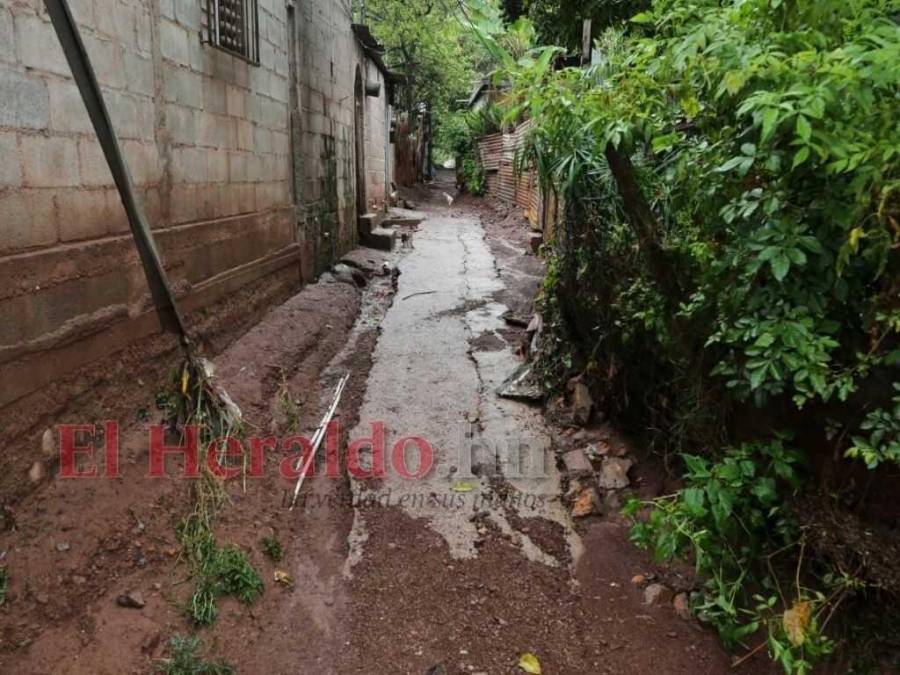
(730, 521)
(727, 240)
(473, 177)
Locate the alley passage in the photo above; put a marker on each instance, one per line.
(478, 562)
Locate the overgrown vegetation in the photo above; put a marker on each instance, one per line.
(216, 571)
(186, 659)
(724, 269)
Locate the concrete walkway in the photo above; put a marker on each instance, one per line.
(473, 564)
(430, 380)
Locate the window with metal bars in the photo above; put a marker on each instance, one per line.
(233, 25)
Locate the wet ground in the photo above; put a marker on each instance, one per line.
(458, 557)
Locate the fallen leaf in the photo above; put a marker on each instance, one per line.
(530, 664)
(584, 503)
(283, 578)
(796, 621)
(462, 486)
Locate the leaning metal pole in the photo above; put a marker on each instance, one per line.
(83, 72)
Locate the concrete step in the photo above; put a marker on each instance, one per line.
(368, 223)
(381, 238)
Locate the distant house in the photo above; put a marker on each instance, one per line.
(256, 132)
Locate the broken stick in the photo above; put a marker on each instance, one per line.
(318, 436)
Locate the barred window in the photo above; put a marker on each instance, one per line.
(233, 25)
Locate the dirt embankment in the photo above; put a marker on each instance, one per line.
(72, 547)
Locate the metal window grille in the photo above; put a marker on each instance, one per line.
(233, 25)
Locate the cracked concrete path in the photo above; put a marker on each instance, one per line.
(491, 456)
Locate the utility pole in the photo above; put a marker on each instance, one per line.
(587, 43)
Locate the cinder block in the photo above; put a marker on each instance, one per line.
(217, 131)
(8, 43)
(182, 204)
(217, 166)
(67, 111)
(38, 45)
(49, 162)
(142, 24)
(83, 11)
(237, 167)
(244, 134)
(83, 214)
(183, 86)
(139, 73)
(167, 9)
(173, 42)
(143, 161)
(123, 111)
(234, 101)
(181, 123)
(188, 14)
(92, 164)
(107, 57)
(214, 98)
(188, 165)
(262, 140)
(28, 220)
(10, 165)
(25, 101)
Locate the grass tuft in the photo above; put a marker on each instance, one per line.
(273, 548)
(187, 660)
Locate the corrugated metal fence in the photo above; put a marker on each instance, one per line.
(513, 184)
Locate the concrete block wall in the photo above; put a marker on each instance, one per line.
(376, 138)
(208, 139)
(328, 61)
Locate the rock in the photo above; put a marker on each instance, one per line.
(348, 275)
(133, 600)
(614, 473)
(577, 463)
(656, 594)
(42, 598)
(79, 580)
(582, 404)
(62, 546)
(597, 450)
(682, 606)
(37, 472)
(585, 503)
